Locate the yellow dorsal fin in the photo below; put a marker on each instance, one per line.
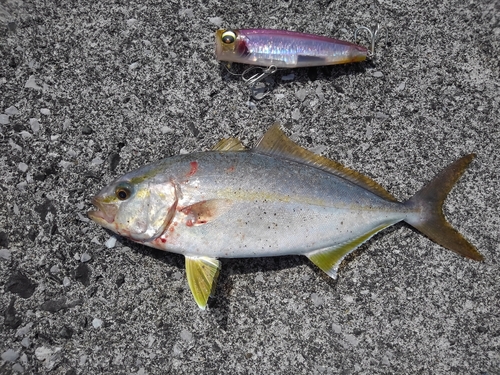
(202, 273)
(275, 142)
(229, 144)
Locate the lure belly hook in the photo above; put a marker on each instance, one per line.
(268, 50)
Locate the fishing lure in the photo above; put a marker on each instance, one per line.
(273, 49)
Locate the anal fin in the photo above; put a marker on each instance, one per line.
(329, 259)
(202, 273)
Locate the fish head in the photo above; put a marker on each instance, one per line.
(139, 205)
(229, 45)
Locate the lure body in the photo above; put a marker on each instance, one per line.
(284, 49)
(275, 199)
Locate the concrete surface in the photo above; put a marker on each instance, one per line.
(90, 90)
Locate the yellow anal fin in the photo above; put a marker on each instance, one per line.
(202, 272)
(229, 144)
(275, 142)
(329, 259)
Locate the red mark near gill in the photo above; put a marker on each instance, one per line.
(194, 169)
(163, 240)
(189, 223)
(230, 169)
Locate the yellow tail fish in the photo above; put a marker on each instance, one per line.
(275, 199)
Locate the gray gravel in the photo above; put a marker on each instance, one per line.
(90, 90)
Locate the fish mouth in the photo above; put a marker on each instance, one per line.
(105, 213)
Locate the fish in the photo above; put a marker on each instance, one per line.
(274, 199)
(284, 49)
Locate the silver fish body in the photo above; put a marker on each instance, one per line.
(276, 199)
(264, 206)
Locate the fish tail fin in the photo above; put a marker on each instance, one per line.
(429, 218)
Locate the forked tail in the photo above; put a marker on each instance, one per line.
(430, 220)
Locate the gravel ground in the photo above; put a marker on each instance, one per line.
(90, 90)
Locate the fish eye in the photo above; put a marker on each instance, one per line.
(228, 37)
(123, 191)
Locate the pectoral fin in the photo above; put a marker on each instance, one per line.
(202, 275)
(205, 211)
(329, 259)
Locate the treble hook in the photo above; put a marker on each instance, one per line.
(373, 33)
(257, 78)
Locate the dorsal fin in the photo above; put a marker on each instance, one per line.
(274, 142)
(229, 144)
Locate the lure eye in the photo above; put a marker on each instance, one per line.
(228, 37)
(123, 191)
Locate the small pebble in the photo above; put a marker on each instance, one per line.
(11, 111)
(14, 145)
(17, 368)
(131, 22)
(85, 258)
(4, 119)
(166, 130)
(25, 134)
(378, 74)
(35, 125)
(31, 84)
(186, 335)
(65, 164)
(26, 342)
(217, 21)
(296, 114)
(66, 281)
(5, 254)
(301, 94)
(10, 355)
(45, 111)
(186, 12)
(54, 269)
(316, 299)
(66, 124)
(336, 328)
(87, 130)
(24, 330)
(23, 167)
(111, 242)
(97, 161)
(96, 323)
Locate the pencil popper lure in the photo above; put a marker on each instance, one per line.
(271, 49)
(275, 199)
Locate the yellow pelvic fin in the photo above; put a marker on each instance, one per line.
(275, 142)
(329, 259)
(202, 273)
(229, 144)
